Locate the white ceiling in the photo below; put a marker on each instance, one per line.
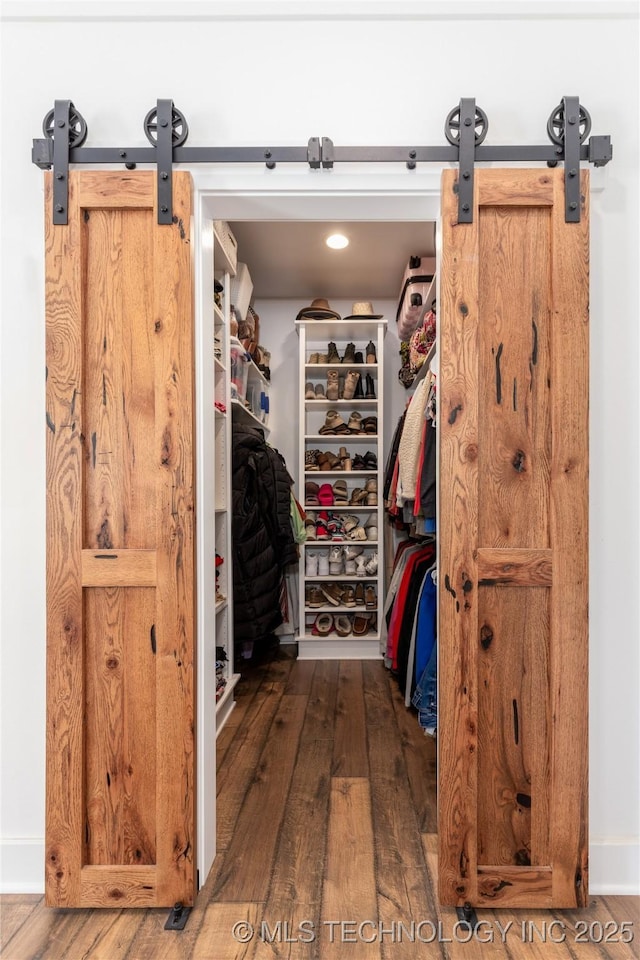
(290, 260)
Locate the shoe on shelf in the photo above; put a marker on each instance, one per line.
(328, 461)
(371, 352)
(370, 598)
(361, 568)
(309, 391)
(325, 495)
(358, 533)
(313, 358)
(333, 593)
(322, 532)
(349, 354)
(361, 624)
(311, 460)
(332, 353)
(319, 392)
(349, 522)
(323, 625)
(372, 500)
(355, 422)
(349, 596)
(358, 495)
(311, 493)
(310, 525)
(323, 564)
(315, 597)
(358, 463)
(350, 382)
(359, 394)
(360, 598)
(350, 551)
(371, 566)
(358, 358)
(370, 425)
(333, 424)
(371, 529)
(322, 358)
(370, 461)
(333, 385)
(335, 561)
(335, 527)
(371, 485)
(370, 393)
(340, 497)
(311, 564)
(342, 625)
(350, 570)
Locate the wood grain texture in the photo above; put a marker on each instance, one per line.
(514, 567)
(64, 827)
(420, 757)
(350, 742)
(513, 727)
(120, 484)
(570, 531)
(513, 688)
(458, 613)
(131, 886)
(268, 790)
(175, 533)
(119, 568)
(349, 891)
(514, 419)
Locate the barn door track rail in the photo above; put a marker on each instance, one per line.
(466, 127)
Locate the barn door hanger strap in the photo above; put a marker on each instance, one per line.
(466, 126)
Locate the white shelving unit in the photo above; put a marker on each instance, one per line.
(255, 409)
(223, 271)
(314, 337)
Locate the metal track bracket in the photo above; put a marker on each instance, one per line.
(61, 136)
(164, 150)
(466, 159)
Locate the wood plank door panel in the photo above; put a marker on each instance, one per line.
(512, 728)
(120, 546)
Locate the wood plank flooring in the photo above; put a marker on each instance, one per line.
(327, 846)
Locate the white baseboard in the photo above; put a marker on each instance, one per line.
(614, 866)
(22, 865)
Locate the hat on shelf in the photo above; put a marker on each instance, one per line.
(318, 309)
(363, 311)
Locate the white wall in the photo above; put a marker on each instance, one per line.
(360, 80)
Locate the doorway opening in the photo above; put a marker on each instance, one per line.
(253, 217)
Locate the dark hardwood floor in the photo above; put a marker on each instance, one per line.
(326, 846)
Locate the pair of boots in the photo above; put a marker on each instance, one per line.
(349, 390)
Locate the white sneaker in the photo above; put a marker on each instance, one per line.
(335, 561)
(361, 570)
(350, 568)
(323, 565)
(351, 551)
(372, 564)
(311, 564)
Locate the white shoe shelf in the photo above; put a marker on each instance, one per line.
(223, 271)
(314, 338)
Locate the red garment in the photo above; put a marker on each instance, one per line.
(399, 605)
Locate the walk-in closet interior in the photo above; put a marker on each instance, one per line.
(321, 352)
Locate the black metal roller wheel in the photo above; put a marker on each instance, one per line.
(179, 128)
(77, 127)
(555, 125)
(452, 126)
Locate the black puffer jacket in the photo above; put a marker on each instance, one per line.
(262, 536)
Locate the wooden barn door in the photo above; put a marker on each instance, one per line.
(120, 546)
(512, 726)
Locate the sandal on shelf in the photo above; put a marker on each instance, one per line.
(323, 625)
(325, 495)
(328, 461)
(358, 496)
(370, 425)
(370, 598)
(360, 597)
(334, 424)
(340, 493)
(358, 463)
(370, 461)
(358, 533)
(311, 460)
(311, 493)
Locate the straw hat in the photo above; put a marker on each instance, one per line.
(318, 309)
(362, 311)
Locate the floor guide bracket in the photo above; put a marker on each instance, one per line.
(177, 919)
(466, 127)
(468, 916)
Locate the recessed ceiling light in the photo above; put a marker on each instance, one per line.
(337, 241)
